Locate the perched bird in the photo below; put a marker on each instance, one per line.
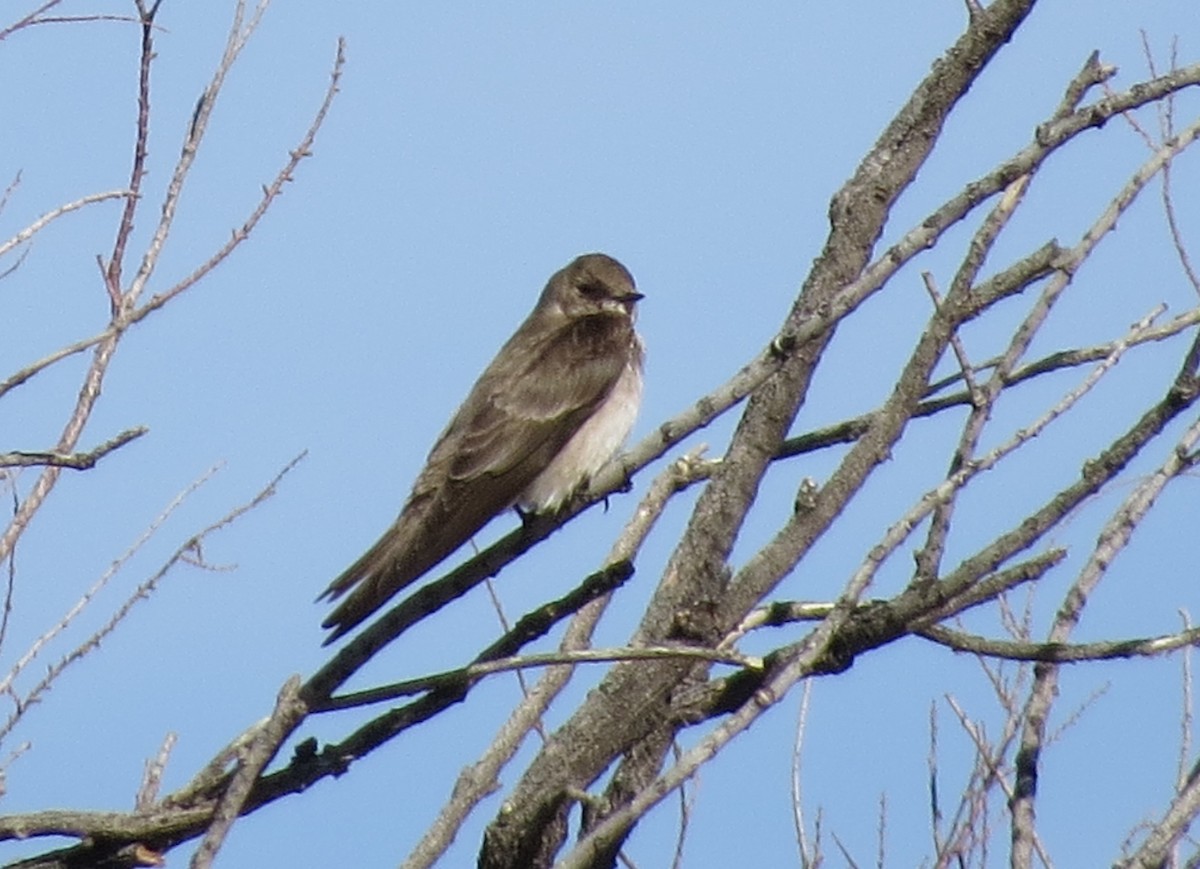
(553, 406)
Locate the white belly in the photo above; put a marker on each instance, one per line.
(595, 443)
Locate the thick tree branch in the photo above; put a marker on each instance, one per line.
(697, 571)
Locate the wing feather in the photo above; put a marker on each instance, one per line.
(516, 420)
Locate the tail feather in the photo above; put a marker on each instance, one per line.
(374, 578)
(367, 565)
(425, 534)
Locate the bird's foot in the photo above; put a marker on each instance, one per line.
(527, 517)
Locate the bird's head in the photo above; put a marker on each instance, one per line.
(592, 284)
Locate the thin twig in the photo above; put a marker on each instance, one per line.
(6, 684)
(28, 20)
(931, 763)
(147, 794)
(1113, 538)
(77, 461)
(289, 712)
(1061, 653)
(687, 801)
(235, 42)
(270, 193)
(190, 551)
(1185, 712)
(474, 672)
(50, 216)
(112, 274)
(903, 527)
(807, 854)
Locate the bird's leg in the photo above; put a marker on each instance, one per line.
(526, 517)
(585, 486)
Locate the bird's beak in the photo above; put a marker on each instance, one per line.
(627, 301)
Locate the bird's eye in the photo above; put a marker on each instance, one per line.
(592, 290)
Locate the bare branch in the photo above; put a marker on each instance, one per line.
(147, 795)
(850, 430)
(808, 851)
(77, 461)
(478, 780)
(235, 42)
(29, 19)
(1113, 538)
(112, 277)
(1185, 712)
(1061, 653)
(189, 552)
(50, 216)
(289, 712)
(475, 672)
(6, 684)
(1174, 823)
(124, 302)
(270, 192)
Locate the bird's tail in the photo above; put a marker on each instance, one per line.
(374, 578)
(424, 535)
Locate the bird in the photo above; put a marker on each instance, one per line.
(546, 414)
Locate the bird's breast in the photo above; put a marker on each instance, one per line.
(597, 441)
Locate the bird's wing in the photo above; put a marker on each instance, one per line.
(530, 403)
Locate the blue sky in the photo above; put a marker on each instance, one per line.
(472, 151)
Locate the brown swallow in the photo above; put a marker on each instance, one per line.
(554, 405)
